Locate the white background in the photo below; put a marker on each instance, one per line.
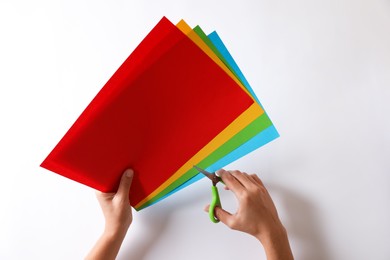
(320, 68)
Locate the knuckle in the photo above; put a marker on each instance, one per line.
(255, 189)
(262, 190)
(258, 191)
(236, 172)
(245, 197)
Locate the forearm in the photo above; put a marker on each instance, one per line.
(276, 245)
(107, 247)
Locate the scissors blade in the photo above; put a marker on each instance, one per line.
(212, 176)
(208, 174)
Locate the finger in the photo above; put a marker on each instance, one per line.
(231, 182)
(243, 178)
(257, 179)
(222, 215)
(125, 184)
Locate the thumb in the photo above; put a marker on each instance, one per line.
(222, 215)
(124, 186)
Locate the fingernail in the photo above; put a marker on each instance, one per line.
(129, 173)
(220, 171)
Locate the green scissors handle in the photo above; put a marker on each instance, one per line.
(215, 202)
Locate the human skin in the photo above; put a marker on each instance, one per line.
(256, 215)
(118, 217)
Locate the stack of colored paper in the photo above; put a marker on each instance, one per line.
(178, 100)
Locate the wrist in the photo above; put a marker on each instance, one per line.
(113, 232)
(270, 235)
(276, 244)
(108, 245)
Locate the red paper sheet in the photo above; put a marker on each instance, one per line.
(165, 102)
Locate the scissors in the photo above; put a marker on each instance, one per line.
(215, 199)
